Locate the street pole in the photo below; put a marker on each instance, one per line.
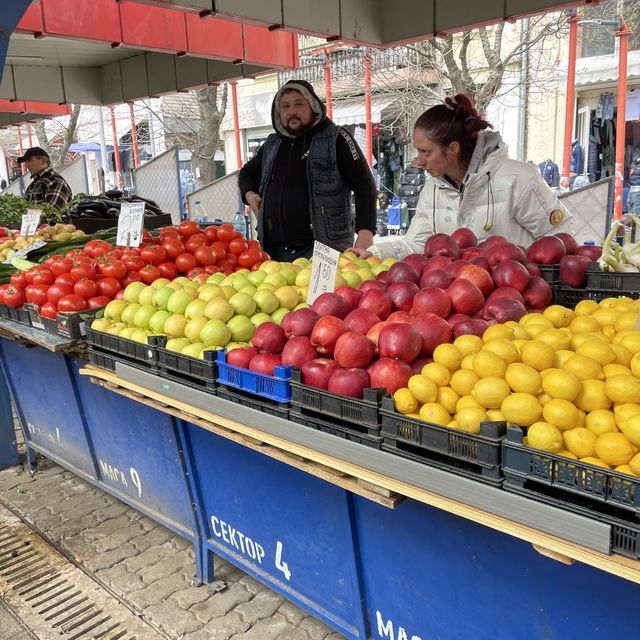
(622, 34)
(236, 124)
(327, 84)
(134, 136)
(116, 150)
(367, 107)
(103, 151)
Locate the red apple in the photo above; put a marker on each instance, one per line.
(538, 294)
(360, 320)
(441, 244)
(399, 340)
(331, 304)
(573, 270)
(479, 277)
(374, 333)
(316, 373)
(419, 363)
(265, 363)
(465, 237)
(511, 274)
(401, 294)
(349, 382)
(533, 268)
(400, 316)
(472, 326)
(382, 277)
(438, 262)
(269, 337)
(298, 351)
(326, 333)
(432, 300)
(241, 356)
(506, 292)
(592, 252)
(433, 331)
(352, 296)
(505, 251)
(376, 301)
(465, 296)
(570, 243)
(401, 271)
(491, 241)
(353, 349)
(436, 278)
(373, 284)
(456, 265)
(454, 318)
(417, 260)
(299, 322)
(547, 250)
(482, 262)
(389, 374)
(503, 309)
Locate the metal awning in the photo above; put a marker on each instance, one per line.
(601, 70)
(352, 110)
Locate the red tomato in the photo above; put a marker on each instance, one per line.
(168, 270)
(200, 278)
(211, 233)
(82, 270)
(18, 279)
(98, 301)
(220, 249)
(108, 287)
(61, 266)
(119, 295)
(255, 266)
(133, 263)
(173, 246)
(232, 258)
(86, 288)
(65, 278)
(226, 233)
(264, 256)
(72, 303)
(153, 254)
(130, 276)
(205, 255)
(57, 290)
(169, 232)
(195, 241)
(115, 269)
(31, 273)
(14, 296)
(51, 260)
(211, 269)
(196, 271)
(49, 310)
(43, 276)
(130, 253)
(237, 246)
(225, 266)
(188, 228)
(116, 253)
(249, 258)
(96, 248)
(36, 293)
(185, 262)
(150, 274)
(254, 244)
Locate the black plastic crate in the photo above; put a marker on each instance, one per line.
(246, 399)
(130, 350)
(101, 360)
(473, 455)
(550, 272)
(181, 368)
(361, 414)
(609, 280)
(335, 429)
(15, 314)
(67, 325)
(569, 297)
(534, 469)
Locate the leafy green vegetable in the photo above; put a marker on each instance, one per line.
(12, 208)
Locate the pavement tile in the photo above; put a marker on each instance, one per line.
(316, 629)
(220, 628)
(186, 598)
(120, 580)
(118, 538)
(173, 620)
(110, 558)
(271, 628)
(263, 605)
(219, 604)
(148, 557)
(169, 564)
(293, 614)
(156, 592)
(151, 537)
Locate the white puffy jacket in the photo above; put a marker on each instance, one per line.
(499, 197)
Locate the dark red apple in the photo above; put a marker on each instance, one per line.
(547, 250)
(456, 265)
(417, 260)
(400, 316)
(432, 300)
(470, 254)
(433, 331)
(479, 276)
(399, 340)
(419, 363)
(331, 304)
(326, 333)
(441, 244)
(503, 309)
(506, 292)
(389, 374)
(533, 268)
(491, 241)
(401, 294)
(591, 251)
(349, 382)
(298, 351)
(538, 294)
(573, 270)
(378, 302)
(299, 322)
(438, 262)
(570, 243)
(481, 261)
(351, 295)
(316, 373)
(465, 296)
(269, 337)
(265, 363)
(511, 274)
(374, 333)
(465, 237)
(241, 356)
(382, 277)
(360, 320)
(436, 278)
(505, 251)
(454, 318)
(353, 349)
(373, 284)
(400, 272)
(473, 326)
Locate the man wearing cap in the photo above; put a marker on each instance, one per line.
(47, 186)
(299, 184)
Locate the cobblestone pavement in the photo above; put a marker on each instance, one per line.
(148, 567)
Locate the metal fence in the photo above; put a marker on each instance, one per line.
(591, 207)
(159, 180)
(77, 176)
(16, 188)
(220, 198)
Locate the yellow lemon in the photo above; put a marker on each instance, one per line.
(463, 381)
(495, 415)
(560, 316)
(595, 461)
(567, 454)
(625, 468)
(437, 373)
(543, 398)
(544, 436)
(448, 398)
(453, 424)
(631, 341)
(521, 408)
(490, 392)
(487, 364)
(583, 324)
(596, 350)
(623, 355)
(634, 463)
(534, 328)
(520, 341)
(448, 355)
(626, 321)
(469, 344)
(580, 338)
(435, 412)
(623, 412)
(609, 331)
(592, 396)
(614, 369)
(523, 378)
(580, 441)
(635, 365)
(586, 307)
(504, 349)
(467, 401)
(561, 384)
(614, 449)
(609, 303)
(497, 332)
(520, 333)
(404, 401)
(469, 419)
(624, 388)
(535, 318)
(621, 334)
(555, 338)
(561, 413)
(582, 367)
(606, 316)
(422, 389)
(467, 362)
(561, 357)
(537, 354)
(582, 418)
(631, 428)
(601, 421)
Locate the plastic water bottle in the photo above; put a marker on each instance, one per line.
(240, 224)
(199, 212)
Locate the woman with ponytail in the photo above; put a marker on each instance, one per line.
(471, 182)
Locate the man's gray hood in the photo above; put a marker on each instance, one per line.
(307, 92)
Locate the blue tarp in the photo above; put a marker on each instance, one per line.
(9, 17)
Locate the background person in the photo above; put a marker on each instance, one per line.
(472, 183)
(47, 186)
(299, 183)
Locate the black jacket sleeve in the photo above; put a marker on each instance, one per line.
(356, 173)
(250, 175)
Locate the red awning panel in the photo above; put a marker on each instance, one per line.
(27, 106)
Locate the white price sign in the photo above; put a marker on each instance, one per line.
(130, 223)
(324, 270)
(30, 222)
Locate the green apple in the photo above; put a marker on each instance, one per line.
(277, 279)
(161, 297)
(239, 281)
(143, 316)
(140, 335)
(128, 332)
(219, 309)
(270, 266)
(302, 262)
(227, 291)
(352, 278)
(129, 313)
(178, 301)
(278, 315)
(209, 291)
(193, 327)
(301, 305)
(258, 318)
(176, 344)
(267, 285)
(340, 282)
(157, 320)
(175, 285)
(215, 333)
(289, 274)
(243, 271)
(184, 281)
(365, 274)
(216, 278)
(236, 345)
(241, 328)
(116, 328)
(174, 325)
(389, 261)
(100, 324)
(195, 309)
(248, 288)
(159, 283)
(257, 277)
(266, 300)
(133, 290)
(146, 295)
(194, 350)
(303, 277)
(379, 268)
(243, 304)
(113, 310)
(287, 296)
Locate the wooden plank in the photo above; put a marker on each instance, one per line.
(548, 553)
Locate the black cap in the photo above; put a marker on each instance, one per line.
(33, 152)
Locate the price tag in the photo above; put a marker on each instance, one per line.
(23, 252)
(30, 222)
(324, 270)
(130, 223)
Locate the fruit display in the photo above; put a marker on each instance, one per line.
(11, 241)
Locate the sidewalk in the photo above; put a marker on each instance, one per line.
(147, 567)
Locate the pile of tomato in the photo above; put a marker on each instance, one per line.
(91, 277)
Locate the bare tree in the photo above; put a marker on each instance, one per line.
(57, 145)
(212, 113)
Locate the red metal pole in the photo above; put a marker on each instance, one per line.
(29, 135)
(327, 84)
(23, 166)
(623, 35)
(571, 98)
(116, 150)
(367, 108)
(236, 123)
(134, 137)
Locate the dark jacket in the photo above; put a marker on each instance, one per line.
(550, 173)
(305, 182)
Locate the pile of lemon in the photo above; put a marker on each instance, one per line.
(572, 377)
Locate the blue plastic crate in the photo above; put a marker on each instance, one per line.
(276, 387)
